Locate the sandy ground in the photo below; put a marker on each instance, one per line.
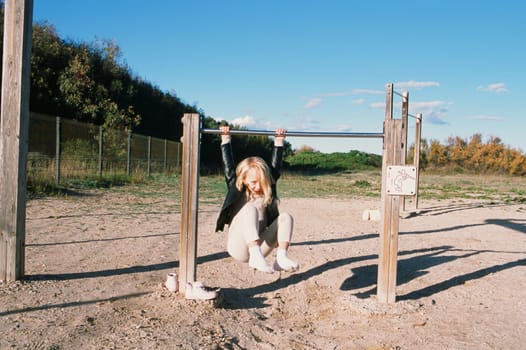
(96, 264)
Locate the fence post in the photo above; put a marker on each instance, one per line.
(101, 136)
(165, 158)
(178, 156)
(149, 156)
(14, 130)
(189, 199)
(128, 155)
(57, 151)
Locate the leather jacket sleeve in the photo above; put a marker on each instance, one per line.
(229, 167)
(277, 159)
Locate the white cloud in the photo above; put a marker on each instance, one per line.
(337, 94)
(433, 112)
(245, 121)
(495, 87)
(307, 123)
(312, 103)
(418, 106)
(485, 117)
(250, 122)
(344, 128)
(368, 92)
(434, 119)
(415, 84)
(377, 105)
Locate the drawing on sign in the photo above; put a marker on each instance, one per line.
(401, 180)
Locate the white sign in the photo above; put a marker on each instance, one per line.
(401, 180)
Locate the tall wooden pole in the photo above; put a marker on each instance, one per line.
(416, 157)
(392, 155)
(14, 130)
(413, 207)
(405, 121)
(189, 199)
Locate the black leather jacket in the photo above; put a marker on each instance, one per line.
(233, 195)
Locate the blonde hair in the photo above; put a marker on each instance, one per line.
(265, 177)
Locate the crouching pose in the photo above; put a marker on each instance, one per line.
(250, 209)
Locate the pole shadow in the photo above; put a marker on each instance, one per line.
(102, 240)
(122, 271)
(71, 304)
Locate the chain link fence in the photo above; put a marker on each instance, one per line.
(63, 149)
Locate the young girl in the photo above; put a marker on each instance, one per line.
(250, 209)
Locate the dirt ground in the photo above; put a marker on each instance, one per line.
(96, 263)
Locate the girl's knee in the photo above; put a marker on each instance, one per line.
(238, 254)
(248, 210)
(246, 217)
(285, 219)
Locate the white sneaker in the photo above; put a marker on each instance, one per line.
(257, 261)
(196, 290)
(262, 266)
(283, 263)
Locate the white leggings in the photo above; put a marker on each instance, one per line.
(244, 229)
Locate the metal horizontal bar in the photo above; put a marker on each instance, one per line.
(401, 94)
(299, 133)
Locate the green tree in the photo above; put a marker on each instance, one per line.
(48, 57)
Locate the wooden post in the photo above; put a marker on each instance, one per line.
(418, 140)
(189, 199)
(416, 162)
(392, 155)
(57, 151)
(14, 130)
(405, 120)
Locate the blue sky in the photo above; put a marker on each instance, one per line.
(323, 65)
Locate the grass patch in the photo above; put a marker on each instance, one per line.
(367, 184)
(106, 181)
(468, 186)
(42, 187)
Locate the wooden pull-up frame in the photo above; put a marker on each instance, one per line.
(394, 137)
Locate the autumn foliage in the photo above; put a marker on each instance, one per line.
(473, 155)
